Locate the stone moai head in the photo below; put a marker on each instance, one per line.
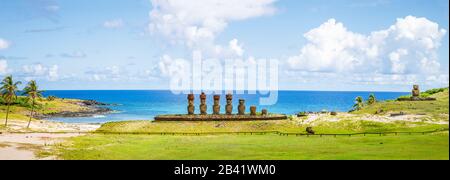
(190, 98)
(190, 107)
(416, 87)
(241, 101)
(241, 107)
(253, 110)
(264, 112)
(216, 98)
(229, 98)
(203, 97)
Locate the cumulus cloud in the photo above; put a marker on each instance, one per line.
(3, 44)
(407, 47)
(169, 67)
(113, 24)
(108, 73)
(39, 71)
(197, 24)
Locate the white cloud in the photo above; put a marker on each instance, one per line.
(113, 24)
(169, 67)
(38, 71)
(3, 66)
(3, 44)
(407, 47)
(113, 73)
(196, 24)
(236, 48)
(53, 73)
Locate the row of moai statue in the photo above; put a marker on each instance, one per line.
(216, 106)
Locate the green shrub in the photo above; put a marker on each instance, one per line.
(51, 98)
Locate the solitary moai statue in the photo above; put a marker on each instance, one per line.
(253, 110)
(241, 107)
(229, 106)
(203, 106)
(264, 112)
(216, 107)
(191, 107)
(415, 91)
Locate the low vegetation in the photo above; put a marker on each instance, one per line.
(256, 147)
(438, 109)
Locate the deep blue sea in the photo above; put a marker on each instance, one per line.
(146, 104)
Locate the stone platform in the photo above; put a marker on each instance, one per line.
(212, 117)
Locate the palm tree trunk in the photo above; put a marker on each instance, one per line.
(31, 114)
(7, 113)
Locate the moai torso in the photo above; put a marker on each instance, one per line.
(203, 106)
(191, 107)
(216, 107)
(416, 91)
(253, 110)
(229, 106)
(241, 107)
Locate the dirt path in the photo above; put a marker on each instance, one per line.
(25, 145)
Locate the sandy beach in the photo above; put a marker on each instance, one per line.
(19, 143)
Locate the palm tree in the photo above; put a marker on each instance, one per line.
(8, 90)
(32, 92)
(359, 103)
(371, 99)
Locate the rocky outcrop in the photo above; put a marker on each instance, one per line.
(92, 108)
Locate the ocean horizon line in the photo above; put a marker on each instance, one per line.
(283, 90)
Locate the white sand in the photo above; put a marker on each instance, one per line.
(23, 146)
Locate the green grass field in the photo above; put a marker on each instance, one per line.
(256, 147)
(272, 146)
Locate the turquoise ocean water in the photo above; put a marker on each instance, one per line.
(146, 104)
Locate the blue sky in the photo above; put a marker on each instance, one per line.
(105, 44)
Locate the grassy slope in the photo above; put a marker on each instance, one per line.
(344, 126)
(436, 109)
(256, 147)
(21, 110)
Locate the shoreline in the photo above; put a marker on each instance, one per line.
(89, 108)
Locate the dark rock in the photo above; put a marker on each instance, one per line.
(398, 114)
(93, 103)
(309, 130)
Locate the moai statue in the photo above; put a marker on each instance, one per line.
(191, 107)
(253, 110)
(241, 107)
(203, 106)
(229, 106)
(416, 91)
(216, 107)
(264, 112)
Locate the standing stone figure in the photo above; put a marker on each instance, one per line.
(415, 91)
(229, 106)
(216, 107)
(203, 106)
(253, 110)
(191, 107)
(241, 107)
(264, 112)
